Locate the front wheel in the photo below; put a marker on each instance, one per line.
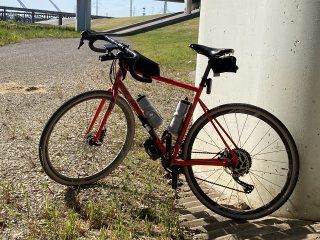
(269, 162)
(66, 151)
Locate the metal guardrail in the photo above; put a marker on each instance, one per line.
(34, 15)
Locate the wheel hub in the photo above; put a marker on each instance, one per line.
(244, 164)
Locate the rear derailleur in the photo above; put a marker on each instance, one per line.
(241, 169)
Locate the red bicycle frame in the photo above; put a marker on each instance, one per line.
(175, 159)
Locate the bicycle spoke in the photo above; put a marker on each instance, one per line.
(237, 126)
(215, 170)
(268, 160)
(231, 193)
(277, 174)
(251, 133)
(266, 180)
(227, 127)
(268, 153)
(206, 178)
(215, 145)
(226, 187)
(260, 140)
(263, 185)
(239, 143)
(256, 189)
(266, 147)
(212, 139)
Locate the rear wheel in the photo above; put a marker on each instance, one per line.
(66, 151)
(268, 157)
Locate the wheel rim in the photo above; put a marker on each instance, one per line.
(68, 153)
(268, 169)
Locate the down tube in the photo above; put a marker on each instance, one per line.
(141, 117)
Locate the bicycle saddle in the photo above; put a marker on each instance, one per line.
(210, 52)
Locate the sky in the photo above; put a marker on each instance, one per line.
(110, 8)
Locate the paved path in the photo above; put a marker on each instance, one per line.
(207, 225)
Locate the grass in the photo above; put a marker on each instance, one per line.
(169, 47)
(111, 23)
(137, 201)
(12, 32)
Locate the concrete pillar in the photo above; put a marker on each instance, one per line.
(187, 6)
(276, 43)
(60, 16)
(83, 15)
(4, 14)
(33, 17)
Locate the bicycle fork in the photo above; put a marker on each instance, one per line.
(98, 137)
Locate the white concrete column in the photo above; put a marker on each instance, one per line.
(187, 6)
(276, 43)
(83, 15)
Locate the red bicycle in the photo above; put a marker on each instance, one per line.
(239, 160)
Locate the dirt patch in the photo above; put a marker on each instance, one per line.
(17, 88)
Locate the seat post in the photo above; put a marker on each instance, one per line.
(205, 76)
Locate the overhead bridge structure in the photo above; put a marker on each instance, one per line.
(189, 5)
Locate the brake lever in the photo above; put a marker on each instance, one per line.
(81, 43)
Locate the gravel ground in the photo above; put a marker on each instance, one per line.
(36, 77)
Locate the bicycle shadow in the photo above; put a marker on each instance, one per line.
(207, 225)
(72, 194)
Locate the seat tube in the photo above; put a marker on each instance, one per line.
(187, 122)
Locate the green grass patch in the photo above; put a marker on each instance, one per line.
(111, 23)
(13, 32)
(169, 47)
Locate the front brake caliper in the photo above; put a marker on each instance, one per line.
(90, 138)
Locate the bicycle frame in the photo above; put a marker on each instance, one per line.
(119, 86)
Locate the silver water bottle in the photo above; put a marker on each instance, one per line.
(149, 111)
(179, 116)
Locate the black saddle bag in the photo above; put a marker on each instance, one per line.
(147, 67)
(223, 64)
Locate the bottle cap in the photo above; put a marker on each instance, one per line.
(140, 97)
(185, 101)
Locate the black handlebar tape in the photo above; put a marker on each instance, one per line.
(95, 49)
(132, 62)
